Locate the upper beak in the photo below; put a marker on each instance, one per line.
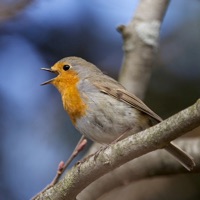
(49, 81)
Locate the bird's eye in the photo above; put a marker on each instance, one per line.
(66, 67)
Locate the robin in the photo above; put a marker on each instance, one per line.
(101, 108)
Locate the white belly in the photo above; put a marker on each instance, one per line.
(108, 118)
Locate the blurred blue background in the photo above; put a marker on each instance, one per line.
(36, 133)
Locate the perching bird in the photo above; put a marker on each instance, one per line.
(101, 108)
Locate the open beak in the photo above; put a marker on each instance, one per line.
(49, 81)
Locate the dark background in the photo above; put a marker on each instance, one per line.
(36, 133)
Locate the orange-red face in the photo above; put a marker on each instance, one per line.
(63, 71)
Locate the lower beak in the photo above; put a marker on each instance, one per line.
(49, 81)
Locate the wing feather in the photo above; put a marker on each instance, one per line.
(123, 95)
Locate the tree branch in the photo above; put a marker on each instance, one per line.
(9, 10)
(141, 37)
(80, 176)
(160, 163)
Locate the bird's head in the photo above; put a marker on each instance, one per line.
(69, 71)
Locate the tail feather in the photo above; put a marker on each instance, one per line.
(181, 156)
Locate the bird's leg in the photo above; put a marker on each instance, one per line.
(103, 148)
(113, 142)
(121, 136)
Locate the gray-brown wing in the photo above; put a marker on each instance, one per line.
(123, 95)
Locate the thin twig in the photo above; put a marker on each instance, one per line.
(63, 166)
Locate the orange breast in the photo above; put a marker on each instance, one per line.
(73, 104)
(72, 101)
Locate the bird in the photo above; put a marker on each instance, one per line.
(102, 109)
